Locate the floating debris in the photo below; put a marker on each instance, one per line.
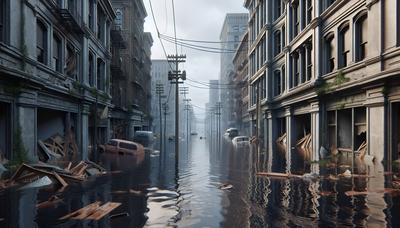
(53, 201)
(92, 211)
(346, 173)
(225, 186)
(124, 214)
(41, 182)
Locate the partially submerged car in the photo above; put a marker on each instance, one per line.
(146, 138)
(119, 146)
(241, 141)
(231, 133)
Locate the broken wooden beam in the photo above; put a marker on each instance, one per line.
(103, 211)
(87, 210)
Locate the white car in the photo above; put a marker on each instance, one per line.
(241, 141)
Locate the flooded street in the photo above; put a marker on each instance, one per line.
(212, 190)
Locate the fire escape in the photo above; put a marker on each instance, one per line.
(70, 16)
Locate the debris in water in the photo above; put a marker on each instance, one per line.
(326, 193)
(44, 181)
(225, 186)
(54, 200)
(356, 193)
(346, 173)
(124, 214)
(135, 192)
(92, 211)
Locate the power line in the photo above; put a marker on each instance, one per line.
(204, 41)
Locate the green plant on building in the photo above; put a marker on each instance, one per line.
(20, 153)
(327, 87)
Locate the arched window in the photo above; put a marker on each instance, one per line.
(283, 74)
(361, 39)
(277, 42)
(41, 42)
(283, 36)
(344, 46)
(330, 54)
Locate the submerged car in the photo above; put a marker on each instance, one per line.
(146, 138)
(240, 141)
(119, 146)
(231, 133)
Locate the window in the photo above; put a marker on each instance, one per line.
(91, 69)
(328, 3)
(296, 19)
(278, 8)
(127, 146)
(344, 46)
(92, 6)
(309, 63)
(283, 78)
(57, 53)
(283, 36)
(41, 42)
(278, 82)
(2, 19)
(309, 11)
(361, 37)
(100, 75)
(277, 43)
(71, 62)
(295, 69)
(330, 53)
(100, 25)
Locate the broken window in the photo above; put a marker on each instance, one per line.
(41, 42)
(361, 37)
(57, 53)
(71, 62)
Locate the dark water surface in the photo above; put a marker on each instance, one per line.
(154, 197)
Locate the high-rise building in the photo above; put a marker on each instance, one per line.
(234, 26)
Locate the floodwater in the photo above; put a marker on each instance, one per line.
(154, 197)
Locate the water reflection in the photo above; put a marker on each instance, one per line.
(153, 196)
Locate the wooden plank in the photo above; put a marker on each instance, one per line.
(77, 167)
(82, 170)
(83, 210)
(61, 180)
(103, 211)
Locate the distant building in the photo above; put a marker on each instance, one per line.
(130, 69)
(159, 75)
(241, 87)
(54, 67)
(235, 25)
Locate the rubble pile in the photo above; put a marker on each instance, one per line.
(58, 148)
(37, 175)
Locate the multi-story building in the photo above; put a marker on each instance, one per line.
(234, 26)
(159, 75)
(54, 72)
(241, 87)
(327, 69)
(130, 69)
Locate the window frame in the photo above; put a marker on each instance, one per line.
(277, 82)
(343, 52)
(58, 64)
(277, 42)
(329, 58)
(361, 45)
(44, 49)
(3, 6)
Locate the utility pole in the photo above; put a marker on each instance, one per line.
(165, 107)
(187, 107)
(218, 114)
(159, 92)
(173, 77)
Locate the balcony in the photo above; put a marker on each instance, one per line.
(70, 17)
(117, 38)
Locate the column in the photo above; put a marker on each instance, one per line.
(290, 138)
(315, 132)
(27, 122)
(270, 140)
(84, 131)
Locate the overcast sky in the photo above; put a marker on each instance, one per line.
(197, 20)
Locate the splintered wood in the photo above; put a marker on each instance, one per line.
(92, 211)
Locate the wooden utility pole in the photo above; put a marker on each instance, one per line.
(173, 77)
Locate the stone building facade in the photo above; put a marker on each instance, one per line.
(328, 69)
(131, 65)
(240, 83)
(54, 72)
